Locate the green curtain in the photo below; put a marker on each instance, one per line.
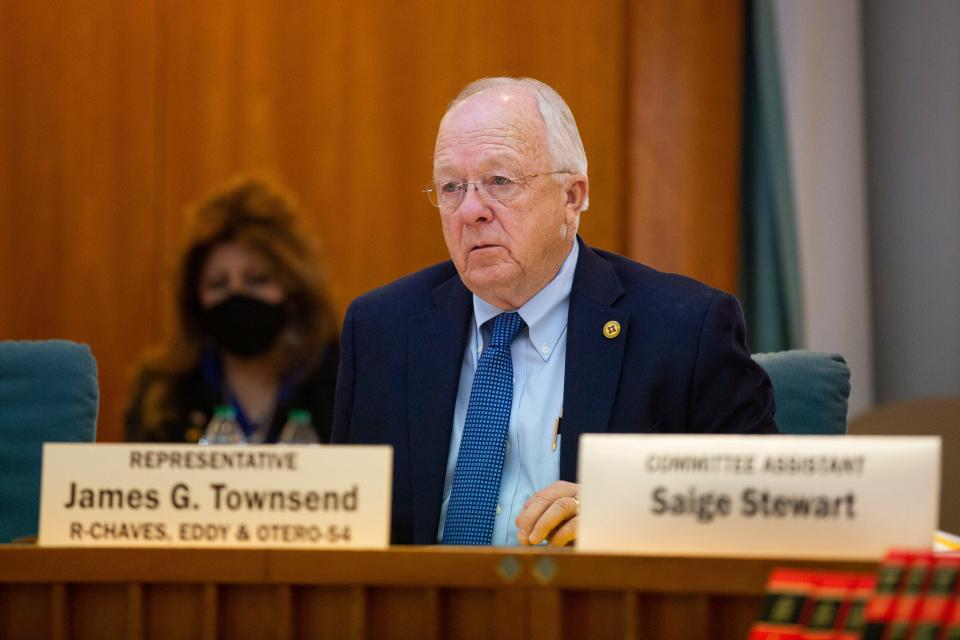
(770, 267)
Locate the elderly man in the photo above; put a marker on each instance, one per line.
(483, 371)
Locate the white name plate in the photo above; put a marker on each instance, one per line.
(785, 496)
(126, 495)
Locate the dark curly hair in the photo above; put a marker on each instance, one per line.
(259, 215)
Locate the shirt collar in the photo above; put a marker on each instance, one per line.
(545, 314)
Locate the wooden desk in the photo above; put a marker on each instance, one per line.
(404, 592)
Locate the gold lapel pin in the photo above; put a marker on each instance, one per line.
(611, 330)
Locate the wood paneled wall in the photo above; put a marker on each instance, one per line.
(684, 97)
(79, 112)
(115, 114)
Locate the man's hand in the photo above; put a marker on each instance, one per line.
(550, 514)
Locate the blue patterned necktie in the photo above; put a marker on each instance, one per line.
(471, 509)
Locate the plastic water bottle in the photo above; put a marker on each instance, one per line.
(224, 428)
(298, 429)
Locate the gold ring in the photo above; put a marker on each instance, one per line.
(578, 503)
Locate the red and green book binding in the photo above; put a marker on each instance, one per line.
(911, 596)
(855, 618)
(785, 605)
(882, 604)
(935, 606)
(951, 628)
(831, 602)
(914, 596)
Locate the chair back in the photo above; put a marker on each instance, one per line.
(925, 417)
(48, 393)
(811, 390)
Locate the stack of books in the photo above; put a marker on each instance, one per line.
(813, 605)
(914, 596)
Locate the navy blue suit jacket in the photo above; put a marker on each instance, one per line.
(680, 364)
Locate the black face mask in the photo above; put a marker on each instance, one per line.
(243, 325)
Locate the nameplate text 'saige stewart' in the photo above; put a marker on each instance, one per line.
(785, 496)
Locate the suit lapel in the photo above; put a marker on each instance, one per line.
(437, 340)
(593, 361)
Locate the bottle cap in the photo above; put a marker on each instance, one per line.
(300, 415)
(225, 412)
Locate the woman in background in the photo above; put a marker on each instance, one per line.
(254, 325)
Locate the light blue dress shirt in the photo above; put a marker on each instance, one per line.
(539, 353)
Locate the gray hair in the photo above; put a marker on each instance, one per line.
(563, 136)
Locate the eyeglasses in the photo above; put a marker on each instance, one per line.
(448, 194)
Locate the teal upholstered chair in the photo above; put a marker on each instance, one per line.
(48, 393)
(811, 390)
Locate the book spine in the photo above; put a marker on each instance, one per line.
(854, 618)
(910, 598)
(830, 599)
(951, 628)
(881, 605)
(934, 608)
(784, 606)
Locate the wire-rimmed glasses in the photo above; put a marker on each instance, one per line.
(447, 194)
